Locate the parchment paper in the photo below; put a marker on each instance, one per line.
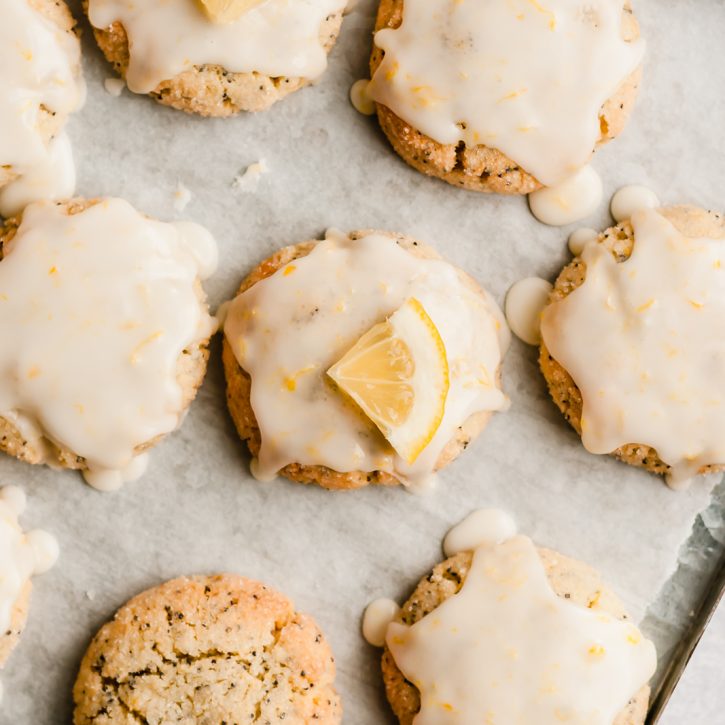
(198, 510)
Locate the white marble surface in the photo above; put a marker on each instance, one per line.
(699, 698)
(198, 510)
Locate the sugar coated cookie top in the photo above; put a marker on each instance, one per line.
(643, 339)
(274, 37)
(288, 330)
(525, 77)
(40, 84)
(506, 648)
(208, 649)
(96, 308)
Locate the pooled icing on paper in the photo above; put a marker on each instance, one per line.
(506, 649)
(376, 620)
(484, 527)
(579, 239)
(526, 77)
(360, 98)
(644, 341)
(572, 200)
(525, 301)
(288, 329)
(40, 67)
(630, 199)
(95, 311)
(276, 38)
(21, 554)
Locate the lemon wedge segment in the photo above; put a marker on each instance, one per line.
(397, 373)
(227, 11)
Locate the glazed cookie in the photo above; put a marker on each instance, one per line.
(106, 329)
(217, 58)
(306, 361)
(630, 339)
(503, 96)
(41, 84)
(216, 649)
(21, 556)
(560, 647)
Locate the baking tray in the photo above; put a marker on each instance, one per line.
(198, 510)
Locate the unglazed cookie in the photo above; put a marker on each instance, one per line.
(331, 441)
(174, 52)
(21, 555)
(108, 328)
(558, 648)
(425, 93)
(669, 396)
(208, 649)
(42, 84)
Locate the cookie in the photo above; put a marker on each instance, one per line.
(22, 431)
(239, 382)
(208, 649)
(46, 75)
(479, 166)
(209, 89)
(570, 579)
(620, 241)
(18, 618)
(22, 555)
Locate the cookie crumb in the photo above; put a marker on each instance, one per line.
(248, 181)
(182, 197)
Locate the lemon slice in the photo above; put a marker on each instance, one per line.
(397, 372)
(227, 11)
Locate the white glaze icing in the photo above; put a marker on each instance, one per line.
(106, 480)
(52, 178)
(526, 77)
(579, 239)
(287, 330)
(21, 554)
(360, 97)
(378, 616)
(485, 527)
(630, 199)
(14, 498)
(114, 86)
(506, 649)
(39, 67)
(525, 302)
(570, 201)
(96, 309)
(644, 342)
(276, 38)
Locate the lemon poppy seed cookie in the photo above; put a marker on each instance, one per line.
(503, 96)
(41, 85)
(631, 340)
(208, 649)
(217, 57)
(106, 329)
(518, 633)
(21, 556)
(361, 359)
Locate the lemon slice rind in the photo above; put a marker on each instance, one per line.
(397, 373)
(227, 11)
